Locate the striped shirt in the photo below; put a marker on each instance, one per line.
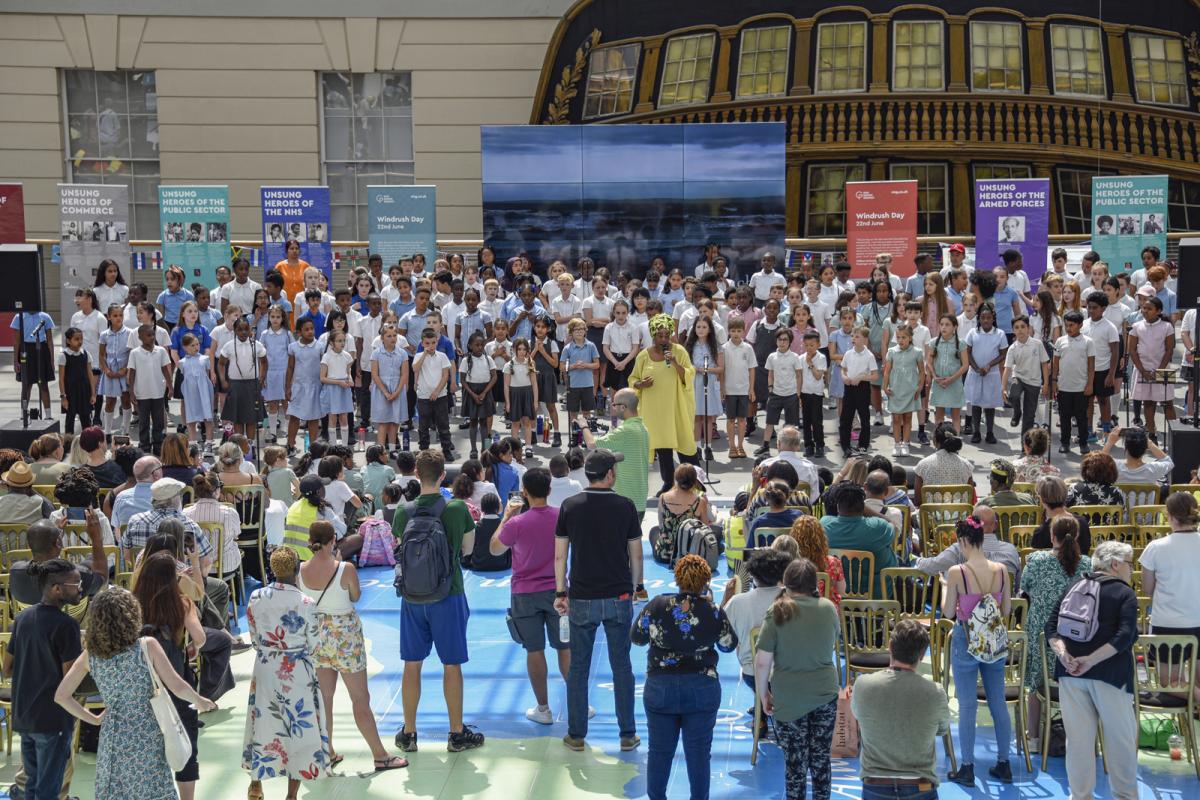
(142, 526)
(209, 510)
(632, 478)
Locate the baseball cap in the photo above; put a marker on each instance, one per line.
(957, 248)
(600, 461)
(165, 489)
(1146, 290)
(310, 485)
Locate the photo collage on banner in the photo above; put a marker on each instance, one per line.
(1129, 213)
(1012, 214)
(300, 213)
(403, 221)
(881, 217)
(93, 226)
(12, 231)
(195, 230)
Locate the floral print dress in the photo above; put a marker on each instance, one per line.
(1045, 583)
(285, 720)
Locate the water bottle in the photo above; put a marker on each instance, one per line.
(541, 421)
(306, 446)
(1174, 743)
(405, 442)
(564, 636)
(361, 437)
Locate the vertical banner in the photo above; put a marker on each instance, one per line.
(1012, 214)
(881, 217)
(12, 231)
(195, 230)
(403, 221)
(1128, 214)
(300, 213)
(94, 225)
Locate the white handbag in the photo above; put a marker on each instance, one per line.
(176, 742)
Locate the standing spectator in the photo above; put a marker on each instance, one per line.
(442, 623)
(1171, 572)
(120, 662)
(1096, 680)
(44, 644)
(900, 717)
(632, 441)
(962, 595)
(1047, 576)
(797, 680)
(562, 485)
(851, 530)
(530, 536)
(746, 609)
(601, 533)
(682, 692)
(284, 685)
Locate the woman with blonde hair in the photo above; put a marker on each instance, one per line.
(814, 545)
(131, 761)
(682, 692)
(285, 721)
(47, 454)
(333, 586)
(796, 679)
(229, 467)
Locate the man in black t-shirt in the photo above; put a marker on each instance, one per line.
(601, 532)
(45, 642)
(45, 543)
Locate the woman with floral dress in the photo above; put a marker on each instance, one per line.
(682, 692)
(285, 719)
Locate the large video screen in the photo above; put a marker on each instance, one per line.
(624, 194)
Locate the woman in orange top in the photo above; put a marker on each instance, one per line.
(292, 269)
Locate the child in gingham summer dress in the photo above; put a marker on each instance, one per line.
(197, 385)
(303, 381)
(276, 339)
(114, 357)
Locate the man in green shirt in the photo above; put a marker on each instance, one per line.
(631, 439)
(851, 530)
(443, 623)
(900, 715)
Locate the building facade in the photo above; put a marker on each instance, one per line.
(943, 93)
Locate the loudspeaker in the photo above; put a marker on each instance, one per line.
(13, 435)
(1185, 451)
(20, 269)
(1188, 289)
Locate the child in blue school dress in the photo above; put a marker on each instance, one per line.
(197, 386)
(276, 339)
(302, 385)
(389, 385)
(114, 365)
(337, 399)
(986, 346)
(841, 342)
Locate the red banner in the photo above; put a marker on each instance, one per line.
(12, 231)
(881, 217)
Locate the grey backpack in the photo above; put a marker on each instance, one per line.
(1079, 611)
(695, 538)
(423, 563)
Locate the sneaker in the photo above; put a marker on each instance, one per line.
(878, 419)
(963, 776)
(1137, 422)
(1084, 449)
(1092, 437)
(464, 425)
(541, 716)
(967, 428)
(976, 438)
(897, 451)
(574, 743)
(904, 449)
(556, 440)
(529, 452)
(640, 595)
(630, 742)
(239, 646)
(1016, 420)
(1065, 449)
(751, 426)
(406, 741)
(1001, 772)
(764, 449)
(474, 454)
(466, 739)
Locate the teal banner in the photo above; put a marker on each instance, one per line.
(195, 230)
(1129, 213)
(402, 221)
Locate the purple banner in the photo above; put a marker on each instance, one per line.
(1012, 214)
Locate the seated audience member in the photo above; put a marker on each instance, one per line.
(683, 501)
(746, 609)
(207, 508)
(814, 545)
(136, 499)
(76, 490)
(1095, 487)
(45, 541)
(1134, 468)
(945, 467)
(851, 530)
(92, 443)
(1052, 493)
(900, 716)
(878, 487)
(124, 457)
(562, 485)
(791, 443)
(21, 504)
(47, 454)
(1001, 474)
(777, 515)
(1035, 443)
(993, 549)
(176, 461)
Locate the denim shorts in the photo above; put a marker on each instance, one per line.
(534, 621)
(443, 624)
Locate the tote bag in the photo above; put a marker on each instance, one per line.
(175, 738)
(845, 728)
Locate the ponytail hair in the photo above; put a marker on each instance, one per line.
(800, 579)
(776, 493)
(1065, 530)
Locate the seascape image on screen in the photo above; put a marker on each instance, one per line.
(623, 194)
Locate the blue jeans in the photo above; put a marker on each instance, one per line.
(586, 616)
(677, 704)
(966, 672)
(45, 757)
(880, 792)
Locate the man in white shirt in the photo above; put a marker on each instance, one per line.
(878, 486)
(762, 281)
(241, 290)
(790, 442)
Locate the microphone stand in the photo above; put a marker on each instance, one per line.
(21, 365)
(707, 436)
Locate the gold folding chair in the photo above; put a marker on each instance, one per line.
(763, 537)
(939, 660)
(901, 542)
(1168, 688)
(1017, 515)
(12, 536)
(1100, 515)
(251, 504)
(1024, 488)
(6, 698)
(1140, 494)
(1017, 613)
(1148, 515)
(1112, 533)
(1021, 536)
(931, 515)
(825, 585)
(216, 536)
(919, 594)
(1143, 616)
(46, 490)
(866, 631)
(859, 568)
(947, 494)
(754, 634)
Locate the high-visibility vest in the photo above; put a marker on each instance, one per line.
(300, 516)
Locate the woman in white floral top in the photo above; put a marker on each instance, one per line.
(682, 693)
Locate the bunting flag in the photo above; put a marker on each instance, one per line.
(147, 260)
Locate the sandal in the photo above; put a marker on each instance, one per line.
(255, 792)
(336, 759)
(391, 762)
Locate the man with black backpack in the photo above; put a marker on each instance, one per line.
(432, 534)
(601, 533)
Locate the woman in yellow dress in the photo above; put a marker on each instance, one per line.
(662, 375)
